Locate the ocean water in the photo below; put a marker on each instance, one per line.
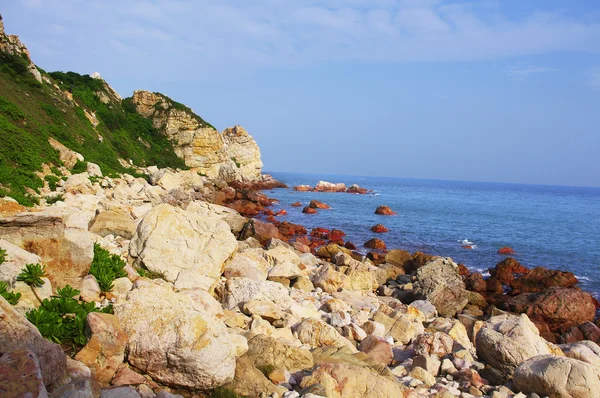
(552, 226)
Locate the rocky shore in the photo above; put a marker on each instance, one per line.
(215, 302)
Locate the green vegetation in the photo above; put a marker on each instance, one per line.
(52, 181)
(80, 167)
(12, 298)
(17, 68)
(32, 274)
(62, 318)
(266, 369)
(223, 392)
(2, 256)
(146, 273)
(106, 268)
(179, 106)
(53, 199)
(237, 164)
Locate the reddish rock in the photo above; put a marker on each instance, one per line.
(21, 375)
(420, 259)
(281, 212)
(315, 204)
(268, 212)
(590, 332)
(476, 283)
(309, 210)
(540, 278)
(468, 247)
(257, 197)
(271, 219)
(573, 335)
(506, 250)
(384, 211)
(263, 232)
(290, 229)
(376, 258)
(378, 349)
(325, 186)
(303, 188)
(245, 207)
(493, 285)
(356, 189)
(301, 247)
(350, 245)
(376, 244)
(463, 270)
(296, 204)
(265, 182)
(337, 236)
(561, 308)
(127, 377)
(320, 233)
(400, 258)
(379, 229)
(506, 270)
(473, 378)
(303, 239)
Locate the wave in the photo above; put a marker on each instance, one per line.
(465, 242)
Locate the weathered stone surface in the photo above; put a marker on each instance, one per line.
(317, 333)
(16, 333)
(267, 310)
(586, 351)
(127, 377)
(328, 279)
(183, 245)
(174, 339)
(505, 341)
(20, 375)
(105, 350)
(90, 289)
(440, 283)
(248, 264)
(561, 308)
(249, 381)
(115, 222)
(267, 351)
(231, 217)
(380, 350)
(67, 156)
(540, 278)
(557, 377)
(240, 290)
(506, 270)
(437, 344)
(58, 235)
(342, 380)
(15, 260)
(400, 327)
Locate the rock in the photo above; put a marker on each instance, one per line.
(113, 222)
(105, 350)
(80, 184)
(248, 264)
(281, 254)
(557, 377)
(342, 380)
(325, 186)
(296, 204)
(77, 369)
(376, 244)
(145, 391)
(421, 374)
(379, 228)
(437, 344)
(315, 204)
(505, 341)
(16, 334)
(15, 260)
(586, 351)
(119, 392)
(58, 235)
(197, 353)
(440, 284)
(400, 258)
(183, 245)
(266, 351)
(506, 250)
(309, 210)
(240, 290)
(304, 284)
(354, 188)
(379, 349)
(67, 156)
(231, 217)
(303, 188)
(317, 333)
(93, 170)
(20, 375)
(127, 377)
(90, 289)
(265, 309)
(561, 308)
(384, 211)
(249, 381)
(493, 285)
(540, 278)
(475, 282)
(506, 270)
(402, 328)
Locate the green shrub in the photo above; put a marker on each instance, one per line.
(53, 199)
(106, 268)
(17, 67)
(61, 318)
(11, 110)
(12, 298)
(32, 274)
(54, 114)
(52, 181)
(80, 167)
(2, 256)
(223, 392)
(55, 170)
(150, 274)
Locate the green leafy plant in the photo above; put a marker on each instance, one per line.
(12, 298)
(32, 274)
(106, 268)
(150, 274)
(2, 256)
(52, 181)
(53, 199)
(62, 317)
(80, 167)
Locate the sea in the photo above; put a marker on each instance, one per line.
(557, 227)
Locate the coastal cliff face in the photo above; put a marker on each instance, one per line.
(11, 44)
(231, 156)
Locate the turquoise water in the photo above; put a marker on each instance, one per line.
(556, 227)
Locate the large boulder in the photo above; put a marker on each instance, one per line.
(266, 351)
(317, 333)
(343, 380)
(20, 375)
(586, 351)
(16, 333)
(540, 278)
(505, 341)
(558, 377)
(58, 235)
(506, 270)
(241, 290)
(175, 340)
(67, 156)
(250, 263)
(231, 217)
(561, 308)
(440, 283)
(115, 222)
(15, 260)
(188, 248)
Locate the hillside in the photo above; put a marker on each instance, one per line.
(86, 115)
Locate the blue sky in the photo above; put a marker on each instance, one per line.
(504, 91)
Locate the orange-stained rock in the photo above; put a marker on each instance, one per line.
(296, 204)
(309, 210)
(303, 188)
(356, 189)
(384, 211)
(21, 375)
(463, 270)
(476, 283)
(315, 204)
(281, 212)
(379, 229)
(540, 278)
(506, 270)
(320, 233)
(245, 207)
(376, 244)
(262, 231)
(350, 246)
(506, 250)
(290, 229)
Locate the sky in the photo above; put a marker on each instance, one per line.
(499, 91)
